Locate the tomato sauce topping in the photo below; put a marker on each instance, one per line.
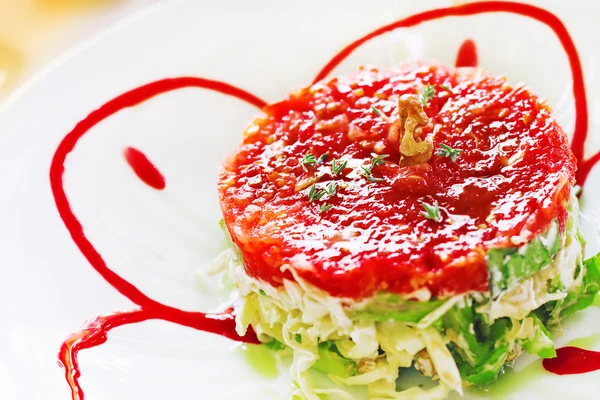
(321, 185)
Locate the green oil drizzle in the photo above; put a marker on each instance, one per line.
(596, 301)
(510, 382)
(261, 359)
(589, 342)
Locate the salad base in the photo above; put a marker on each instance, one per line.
(463, 340)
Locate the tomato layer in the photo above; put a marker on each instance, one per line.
(511, 179)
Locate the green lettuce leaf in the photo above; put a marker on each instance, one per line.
(540, 341)
(488, 371)
(461, 320)
(508, 266)
(479, 349)
(583, 297)
(390, 307)
(331, 361)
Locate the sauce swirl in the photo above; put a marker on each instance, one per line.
(95, 332)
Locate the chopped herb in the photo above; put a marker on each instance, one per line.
(375, 160)
(323, 158)
(376, 110)
(313, 194)
(369, 174)
(261, 292)
(427, 93)
(325, 207)
(447, 151)
(371, 178)
(309, 160)
(337, 168)
(431, 211)
(446, 88)
(378, 159)
(331, 189)
(298, 338)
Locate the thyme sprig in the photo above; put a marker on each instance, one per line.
(367, 170)
(447, 151)
(314, 194)
(432, 211)
(337, 167)
(311, 161)
(427, 93)
(325, 207)
(378, 112)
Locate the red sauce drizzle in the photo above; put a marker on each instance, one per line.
(569, 361)
(95, 332)
(467, 54)
(144, 168)
(573, 360)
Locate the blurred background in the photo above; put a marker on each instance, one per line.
(33, 32)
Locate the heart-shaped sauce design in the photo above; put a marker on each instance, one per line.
(95, 331)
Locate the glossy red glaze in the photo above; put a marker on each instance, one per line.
(573, 360)
(511, 180)
(467, 54)
(144, 168)
(485, 7)
(95, 332)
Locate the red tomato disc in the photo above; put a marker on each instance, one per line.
(363, 229)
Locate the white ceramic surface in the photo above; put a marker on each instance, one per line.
(158, 240)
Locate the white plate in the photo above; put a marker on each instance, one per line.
(157, 240)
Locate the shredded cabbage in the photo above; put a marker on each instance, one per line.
(322, 336)
(463, 338)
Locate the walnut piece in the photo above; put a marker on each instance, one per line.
(424, 364)
(365, 365)
(406, 131)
